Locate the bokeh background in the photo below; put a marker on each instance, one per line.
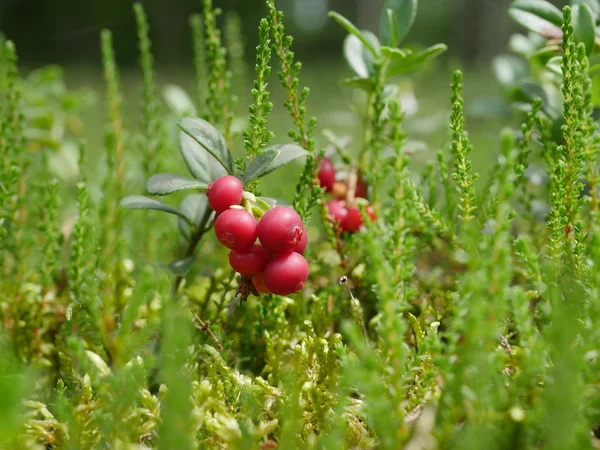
(66, 32)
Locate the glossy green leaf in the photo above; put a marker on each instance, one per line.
(509, 69)
(538, 16)
(584, 26)
(167, 183)
(594, 6)
(193, 207)
(210, 139)
(141, 202)
(287, 154)
(402, 64)
(353, 52)
(351, 28)
(366, 84)
(181, 267)
(260, 164)
(195, 157)
(405, 12)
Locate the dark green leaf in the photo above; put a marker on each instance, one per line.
(195, 157)
(210, 139)
(180, 267)
(353, 52)
(509, 69)
(288, 153)
(400, 64)
(351, 28)
(260, 164)
(393, 27)
(538, 16)
(193, 208)
(141, 202)
(593, 4)
(584, 26)
(405, 12)
(167, 183)
(358, 83)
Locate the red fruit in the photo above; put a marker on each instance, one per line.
(224, 192)
(337, 211)
(301, 248)
(259, 283)
(326, 174)
(353, 220)
(361, 189)
(280, 230)
(286, 274)
(236, 229)
(250, 261)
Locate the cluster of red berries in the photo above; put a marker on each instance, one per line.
(276, 265)
(345, 214)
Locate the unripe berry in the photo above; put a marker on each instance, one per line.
(301, 248)
(250, 261)
(326, 174)
(337, 211)
(286, 274)
(224, 192)
(353, 220)
(280, 230)
(236, 229)
(360, 190)
(259, 283)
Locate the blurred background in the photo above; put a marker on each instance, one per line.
(66, 32)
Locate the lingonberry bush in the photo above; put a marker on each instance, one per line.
(384, 305)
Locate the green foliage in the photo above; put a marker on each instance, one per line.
(460, 318)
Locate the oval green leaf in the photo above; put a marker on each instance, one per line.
(538, 16)
(593, 4)
(351, 28)
(260, 164)
(403, 64)
(167, 183)
(353, 52)
(181, 267)
(210, 139)
(287, 154)
(404, 13)
(141, 202)
(584, 26)
(193, 208)
(195, 157)
(358, 83)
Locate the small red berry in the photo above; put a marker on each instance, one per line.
(353, 220)
(250, 261)
(326, 174)
(337, 211)
(259, 283)
(224, 192)
(301, 248)
(236, 229)
(286, 274)
(361, 189)
(280, 230)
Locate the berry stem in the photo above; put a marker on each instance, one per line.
(203, 227)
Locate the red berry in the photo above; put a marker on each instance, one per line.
(259, 283)
(286, 274)
(337, 211)
(303, 242)
(353, 220)
(236, 229)
(250, 261)
(361, 189)
(224, 192)
(280, 230)
(326, 174)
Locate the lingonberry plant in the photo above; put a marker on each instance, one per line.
(432, 307)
